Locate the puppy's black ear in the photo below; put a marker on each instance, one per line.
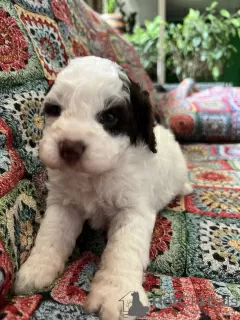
(143, 116)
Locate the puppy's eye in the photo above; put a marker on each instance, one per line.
(52, 110)
(109, 118)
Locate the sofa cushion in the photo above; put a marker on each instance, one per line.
(210, 115)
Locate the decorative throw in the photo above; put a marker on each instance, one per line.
(212, 115)
(195, 249)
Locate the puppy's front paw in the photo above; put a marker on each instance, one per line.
(116, 298)
(36, 273)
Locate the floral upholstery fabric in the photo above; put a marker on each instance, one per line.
(212, 115)
(195, 249)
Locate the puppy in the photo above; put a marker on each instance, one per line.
(107, 164)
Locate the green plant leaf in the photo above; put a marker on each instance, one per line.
(199, 46)
(193, 13)
(212, 7)
(148, 46)
(211, 17)
(205, 35)
(235, 22)
(232, 48)
(215, 72)
(225, 13)
(146, 42)
(218, 55)
(196, 41)
(147, 23)
(214, 4)
(178, 70)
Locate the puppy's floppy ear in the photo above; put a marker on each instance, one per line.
(143, 115)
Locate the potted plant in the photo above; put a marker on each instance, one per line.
(113, 18)
(145, 40)
(198, 47)
(201, 46)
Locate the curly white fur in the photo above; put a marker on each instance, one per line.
(114, 184)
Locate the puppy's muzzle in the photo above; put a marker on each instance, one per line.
(71, 151)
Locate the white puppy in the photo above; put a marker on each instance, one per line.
(106, 164)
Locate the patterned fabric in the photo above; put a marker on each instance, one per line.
(195, 236)
(213, 248)
(210, 115)
(170, 297)
(168, 247)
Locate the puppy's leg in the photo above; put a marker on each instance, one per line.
(54, 243)
(187, 189)
(122, 265)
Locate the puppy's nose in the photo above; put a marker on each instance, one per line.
(71, 151)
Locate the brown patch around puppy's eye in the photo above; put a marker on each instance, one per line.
(52, 110)
(115, 120)
(109, 118)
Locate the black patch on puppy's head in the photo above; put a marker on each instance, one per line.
(116, 118)
(142, 122)
(133, 118)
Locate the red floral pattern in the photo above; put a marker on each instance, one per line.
(107, 50)
(61, 10)
(20, 308)
(151, 281)
(162, 235)
(217, 164)
(210, 303)
(209, 115)
(177, 204)
(213, 176)
(215, 202)
(232, 151)
(181, 124)
(175, 310)
(67, 290)
(78, 49)
(6, 271)
(10, 178)
(47, 41)
(13, 46)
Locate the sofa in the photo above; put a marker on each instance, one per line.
(194, 270)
